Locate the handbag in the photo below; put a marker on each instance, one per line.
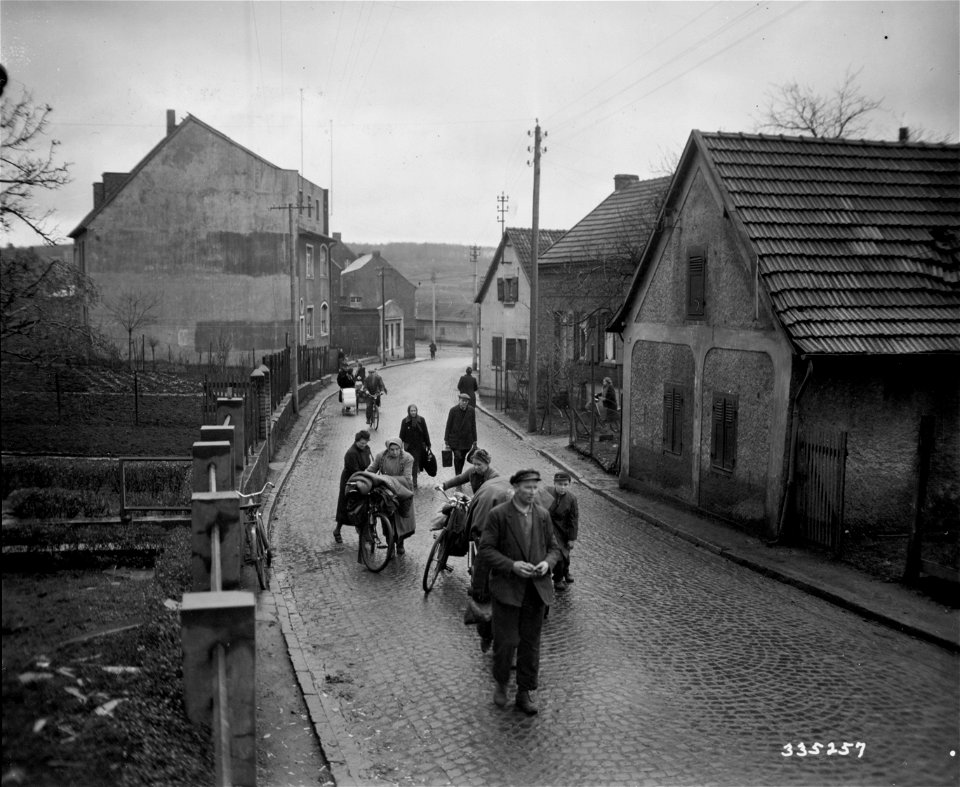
(477, 613)
(446, 457)
(429, 462)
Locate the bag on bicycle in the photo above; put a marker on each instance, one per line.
(458, 536)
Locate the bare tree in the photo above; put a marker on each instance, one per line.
(27, 165)
(42, 303)
(224, 346)
(133, 311)
(799, 109)
(153, 341)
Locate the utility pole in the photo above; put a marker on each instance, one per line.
(475, 254)
(294, 312)
(433, 281)
(383, 323)
(503, 199)
(534, 285)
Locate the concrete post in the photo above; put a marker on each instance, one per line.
(228, 619)
(234, 408)
(215, 447)
(222, 508)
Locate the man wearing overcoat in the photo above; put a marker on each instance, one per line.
(519, 547)
(460, 434)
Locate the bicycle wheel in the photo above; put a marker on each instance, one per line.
(376, 542)
(375, 418)
(436, 562)
(264, 558)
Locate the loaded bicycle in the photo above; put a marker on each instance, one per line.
(451, 540)
(363, 397)
(256, 543)
(372, 507)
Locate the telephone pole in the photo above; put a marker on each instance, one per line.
(383, 323)
(294, 312)
(475, 254)
(433, 281)
(534, 285)
(503, 199)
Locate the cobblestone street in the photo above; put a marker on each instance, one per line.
(662, 664)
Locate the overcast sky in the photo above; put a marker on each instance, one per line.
(429, 104)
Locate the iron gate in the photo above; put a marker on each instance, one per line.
(821, 467)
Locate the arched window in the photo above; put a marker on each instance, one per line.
(324, 319)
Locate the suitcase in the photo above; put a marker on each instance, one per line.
(446, 457)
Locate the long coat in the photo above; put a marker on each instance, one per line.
(400, 470)
(353, 460)
(468, 384)
(461, 431)
(565, 513)
(415, 437)
(502, 544)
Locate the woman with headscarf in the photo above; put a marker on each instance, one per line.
(415, 438)
(396, 467)
(479, 472)
(356, 458)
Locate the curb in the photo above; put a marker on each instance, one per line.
(324, 714)
(724, 552)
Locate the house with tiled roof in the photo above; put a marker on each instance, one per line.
(582, 281)
(504, 299)
(201, 223)
(792, 337)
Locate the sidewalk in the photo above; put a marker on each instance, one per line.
(888, 603)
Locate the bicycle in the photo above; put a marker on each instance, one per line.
(374, 421)
(377, 535)
(446, 542)
(256, 543)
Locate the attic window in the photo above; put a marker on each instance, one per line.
(696, 280)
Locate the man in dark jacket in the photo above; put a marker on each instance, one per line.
(468, 385)
(519, 547)
(461, 432)
(374, 386)
(355, 459)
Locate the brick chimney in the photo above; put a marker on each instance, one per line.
(622, 181)
(376, 255)
(171, 121)
(97, 195)
(336, 236)
(904, 134)
(112, 181)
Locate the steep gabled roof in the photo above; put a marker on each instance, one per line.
(521, 239)
(622, 221)
(857, 242)
(189, 119)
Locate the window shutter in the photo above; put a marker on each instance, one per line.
(514, 289)
(500, 294)
(667, 417)
(678, 420)
(696, 280)
(729, 434)
(716, 442)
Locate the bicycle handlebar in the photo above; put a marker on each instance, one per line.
(266, 486)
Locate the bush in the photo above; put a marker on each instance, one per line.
(56, 503)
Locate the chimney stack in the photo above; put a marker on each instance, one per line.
(622, 181)
(171, 121)
(904, 134)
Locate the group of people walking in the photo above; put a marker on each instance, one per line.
(525, 541)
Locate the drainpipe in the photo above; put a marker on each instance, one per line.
(791, 467)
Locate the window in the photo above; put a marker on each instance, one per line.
(310, 322)
(516, 353)
(522, 351)
(696, 280)
(496, 352)
(309, 265)
(723, 452)
(324, 319)
(508, 290)
(355, 300)
(443, 331)
(672, 419)
(309, 207)
(323, 261)
(581, 336)
(500, 290)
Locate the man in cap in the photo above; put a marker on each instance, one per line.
(461, 433)
(519, 547)
(565, 515)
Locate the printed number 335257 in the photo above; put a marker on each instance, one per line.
(818, 749)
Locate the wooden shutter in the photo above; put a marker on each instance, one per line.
(723, 449)
(500, 293)
(496, 351)
(511, 353)
(696, 280)
(673, 419)
(514, 289)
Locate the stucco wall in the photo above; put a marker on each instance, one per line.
(509, 322)
(879, 403)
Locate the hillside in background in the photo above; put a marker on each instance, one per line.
(450, 262)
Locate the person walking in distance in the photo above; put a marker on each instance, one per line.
(565, 515)
(519, 547)
(374, 386)
(415, 438)
(356, 458)
(433, 351)
(460, 434)
(468, 385)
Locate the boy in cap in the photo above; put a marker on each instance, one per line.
(565, 515)
(518, 546)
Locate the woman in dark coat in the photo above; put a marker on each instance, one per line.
(356, 458)
(415, 438)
